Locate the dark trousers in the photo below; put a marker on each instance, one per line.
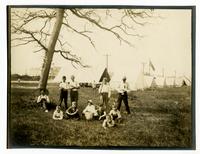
(43, 104)
(123, 97)
(74, 96)
(63, 96)
(105, 100)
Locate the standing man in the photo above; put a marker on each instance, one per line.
(105, 92)
(74, 86)
(123, 89)
(64, 86)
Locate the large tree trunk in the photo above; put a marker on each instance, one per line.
(51, 47)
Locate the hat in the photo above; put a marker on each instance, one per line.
(89, 101)
(124, 78)
(57, 107)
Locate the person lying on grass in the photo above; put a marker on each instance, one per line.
(72, 112)
(43, 99)
(58, 114)
(115, 114)
(90, 112)
(108, 122)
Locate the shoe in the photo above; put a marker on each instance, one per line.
(46, 111)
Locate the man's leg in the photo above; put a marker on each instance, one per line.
(61, 98)
(65, 99)
(106, 102)
(76, 97)
(119, 101)
(71, 96)
(125, 100)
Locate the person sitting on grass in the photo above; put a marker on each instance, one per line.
(101, 113)
(90, 112)
(108, 122)
(43, 99)
(72, 112)
(115, 113)
(58, 114)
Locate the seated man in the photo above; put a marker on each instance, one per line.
(108, 122)
(115, 113)
(72, 112)
(58, 114)
(43, 99)
(90, 112)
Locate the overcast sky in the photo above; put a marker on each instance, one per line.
(166, 41)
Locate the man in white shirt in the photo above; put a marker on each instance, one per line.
(105, 92)
(123, 89)
(64, 86)
(74, 86)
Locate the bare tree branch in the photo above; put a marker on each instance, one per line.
(23, 33)
(80, 32)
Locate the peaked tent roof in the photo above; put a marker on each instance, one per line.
(105, 74)
(153, 83)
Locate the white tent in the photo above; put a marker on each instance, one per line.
(144, 81)
(179, 81)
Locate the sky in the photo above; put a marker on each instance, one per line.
(166, 42)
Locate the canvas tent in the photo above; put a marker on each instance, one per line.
(105, 74)
(183, 80)
(144, 81)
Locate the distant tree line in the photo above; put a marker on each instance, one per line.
(16, 77)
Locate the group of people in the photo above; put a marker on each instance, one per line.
(91, 111)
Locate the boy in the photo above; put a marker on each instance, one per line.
(115, 113)
(58, 114)
(43, 99)
(105, 92)
(64, 86)
(74, 86)
(72, 112)
(108, 122)
(90, 111)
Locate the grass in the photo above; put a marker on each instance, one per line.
(160, 118)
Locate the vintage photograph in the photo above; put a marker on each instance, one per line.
(101, 77)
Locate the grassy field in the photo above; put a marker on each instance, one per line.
(160, 118)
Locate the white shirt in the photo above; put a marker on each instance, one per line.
(90, 108)
(64, 85)
(123, 87)
(58, 116)
(105, 88)
(74, 85)
(113, 113)
(43, 97)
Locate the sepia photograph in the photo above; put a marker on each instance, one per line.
(101, 77)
